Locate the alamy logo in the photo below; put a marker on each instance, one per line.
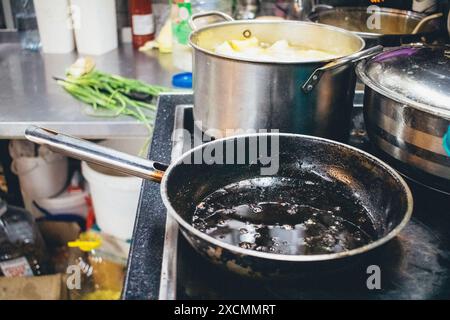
(374, 280)
(74, 19)
(374, 19)
(262, 148)
(75, 273)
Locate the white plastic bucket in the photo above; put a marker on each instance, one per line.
(114, 196)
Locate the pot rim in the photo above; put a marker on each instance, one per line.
(281, 257)
(429, 109)
(251, 22)
(398, 12)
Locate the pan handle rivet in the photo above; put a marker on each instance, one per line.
(247, 34)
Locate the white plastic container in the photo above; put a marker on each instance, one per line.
(95, 26)
(114, 196)
(70, 203)
(43, 176)
(55, 25)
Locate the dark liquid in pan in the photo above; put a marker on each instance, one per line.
(286, 216)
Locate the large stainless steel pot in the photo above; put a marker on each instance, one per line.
(407, 110)
(396, 27)
(299, 97)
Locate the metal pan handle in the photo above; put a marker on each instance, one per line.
(312, 81)
(199, 15)
(91, 152)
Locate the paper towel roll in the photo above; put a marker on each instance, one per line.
(55, 25)
(95, 25)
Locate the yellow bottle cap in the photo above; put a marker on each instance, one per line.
(86, 242)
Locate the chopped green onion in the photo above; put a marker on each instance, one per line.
(115, 93)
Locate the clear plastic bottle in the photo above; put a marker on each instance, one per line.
(26, 25)
(208, 5)
(180, 12)
(22, 248)
(101, 259)
(246, 9)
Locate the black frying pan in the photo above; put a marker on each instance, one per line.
(374, 185)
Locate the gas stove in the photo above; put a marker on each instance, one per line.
(415, 265)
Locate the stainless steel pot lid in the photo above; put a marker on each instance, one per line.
(417, 75)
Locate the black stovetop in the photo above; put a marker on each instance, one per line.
(415, 265)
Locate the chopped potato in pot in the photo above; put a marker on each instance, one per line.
(280, 50)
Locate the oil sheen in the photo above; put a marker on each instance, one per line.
(286, 216)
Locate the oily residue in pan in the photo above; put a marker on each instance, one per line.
(292, 216)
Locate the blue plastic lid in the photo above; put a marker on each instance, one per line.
(182, 80)
(446, 142)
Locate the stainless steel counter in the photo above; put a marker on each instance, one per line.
(29, 95)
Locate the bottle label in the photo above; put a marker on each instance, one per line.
(180, 25)
(16, 268)
(143, 24)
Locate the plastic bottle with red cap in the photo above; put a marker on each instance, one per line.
(142, 22)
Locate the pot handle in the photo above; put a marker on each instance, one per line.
(312, 81)
(91, 152)
(425, 21)
(317, 8)
(196, 16)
